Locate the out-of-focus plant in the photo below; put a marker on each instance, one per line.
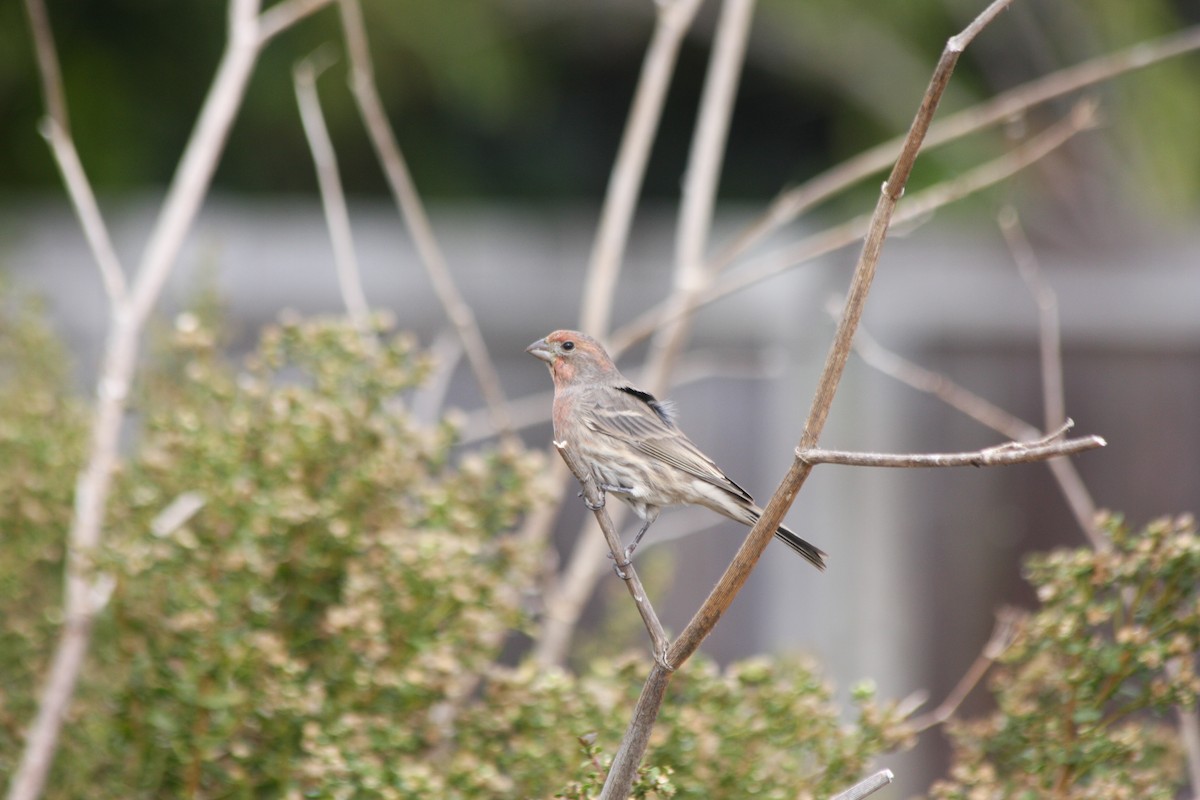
(42, 436)
(1081, 698)
(331, 621)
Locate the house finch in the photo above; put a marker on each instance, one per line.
(629, 441)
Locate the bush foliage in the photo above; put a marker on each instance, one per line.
(338, 617)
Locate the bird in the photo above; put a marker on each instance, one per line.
(630, 442)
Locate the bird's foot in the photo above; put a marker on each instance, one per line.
(620, 564)
(592, 506)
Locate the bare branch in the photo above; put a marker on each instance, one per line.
(333, 199)
(700, 186)
(1010, 453)
(86, 592)
(1005, 106)
(989, 415)
(284, 15)
(57, 130)
(1009, 622)
(910, 209)
(1054, 399)
(629, 168)
(624, 767)
(866, 787)
(595, 500)
(387, 149)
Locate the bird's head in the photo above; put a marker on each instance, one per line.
(573, 357)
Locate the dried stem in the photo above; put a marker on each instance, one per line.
(86, 592)
(566, 599)
(1008, 624)
(1053, 395)
(700, 187)
(866, 787)
(1003, 107)
(621, 775)
(989, 415)
(333, 198)
(911, 208)
(604, 267)
(404, 192)
(595, 499)
(1009, 453)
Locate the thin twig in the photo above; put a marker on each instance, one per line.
(567, 597)
(700, 184)
(1050, 344)
(404, 192)
(912, 208)
(1005, 106)
(1010, 453)
(333, 199)
(624, 768)
(989, 415)
(284, 15)
(86, 592)
(56, 127)
(595, 499)
(629, 168)
(1009, 622)
(866, 787)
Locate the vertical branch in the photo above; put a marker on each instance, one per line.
(387, 149)
(333, 199)
(700, 186)
(624, 767)
(567, 598)
(86, 592)
(629, 168)
(56, 127)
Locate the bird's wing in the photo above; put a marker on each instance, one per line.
(645, 424)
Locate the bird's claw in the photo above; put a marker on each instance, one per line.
(592, 506)
(619, 566)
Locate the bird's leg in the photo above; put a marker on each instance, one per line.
(604, 489)
(651, 515)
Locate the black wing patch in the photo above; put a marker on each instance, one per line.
(665, 409)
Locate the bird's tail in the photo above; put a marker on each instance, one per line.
(748, 514)
(811, 554)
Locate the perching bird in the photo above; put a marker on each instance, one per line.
(631, 444)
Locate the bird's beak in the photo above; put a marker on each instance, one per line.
(540, 349)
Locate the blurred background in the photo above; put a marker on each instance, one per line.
(510, 114)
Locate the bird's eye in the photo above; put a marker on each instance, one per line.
(568, 346)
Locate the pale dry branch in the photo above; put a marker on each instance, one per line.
(624, 769)
(1006, 106)
(629, 168)
(866, 787)
(912, 208)
(1008, 453)
(567, 597)
(594, 496)
(87, 591)
(333, 198)
(701, 180)
(56, 128)
(1050, 344)
(412, 209)
(1009, 622)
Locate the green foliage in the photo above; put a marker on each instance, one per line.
(331, 621)
(42, 435)
(1082, 696)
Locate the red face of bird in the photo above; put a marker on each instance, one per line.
(573, 357)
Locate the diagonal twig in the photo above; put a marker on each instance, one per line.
(333, 199)
(629, 168)
(624, 768)
(387, 149)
